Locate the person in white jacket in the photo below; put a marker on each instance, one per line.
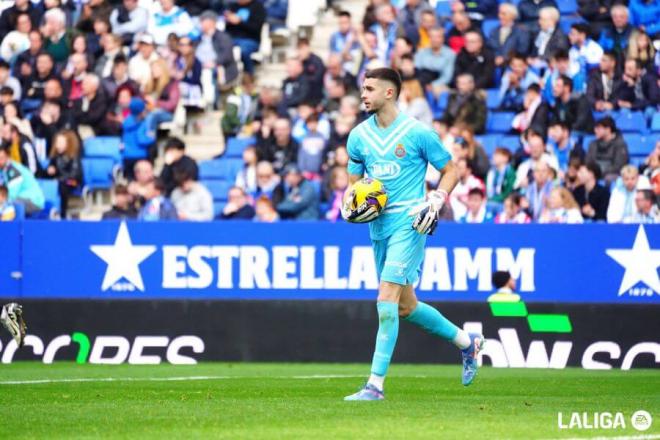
(622, 198)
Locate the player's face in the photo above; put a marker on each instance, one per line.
(375, 93)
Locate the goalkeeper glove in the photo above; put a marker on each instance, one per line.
(364, 213)
(427, 213)
(12, 318)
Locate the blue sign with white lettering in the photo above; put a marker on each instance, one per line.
(112, 260)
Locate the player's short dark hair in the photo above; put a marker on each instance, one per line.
(582, 28)
(386, 74)
(477, 192)
(344, 13)
(501, 278)
(174, 143)
(607, 122)
(594, 169)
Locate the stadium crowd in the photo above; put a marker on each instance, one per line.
(550, 111)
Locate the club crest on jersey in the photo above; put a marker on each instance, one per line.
(400, 151)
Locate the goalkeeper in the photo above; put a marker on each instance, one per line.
(397, 149)
(11, 317)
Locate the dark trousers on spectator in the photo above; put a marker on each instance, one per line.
(248, 47)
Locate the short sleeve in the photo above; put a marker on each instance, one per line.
(433, 150)
(355, 159)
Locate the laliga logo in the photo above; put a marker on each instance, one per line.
(640, 420)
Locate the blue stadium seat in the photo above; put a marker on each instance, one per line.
(567, 7)
(51, 195)
(97, 173)
(236, 145)
(437, 105)
(218, 207)
(103, 146)
(220, 169)
(443, 8)
(586, 140)
(566, 22)
(648, 141)
(19, 209)
(492, 98)
(631, 122)
(511, 142)
(488, 25)
(639, 145)
(655, 122)
(489, 142)
(218, 189)
(499, 122)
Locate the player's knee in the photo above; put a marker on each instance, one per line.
(405, 309)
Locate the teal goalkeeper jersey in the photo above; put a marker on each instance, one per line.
(398, 156)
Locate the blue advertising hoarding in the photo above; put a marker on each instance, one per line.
(222, 260)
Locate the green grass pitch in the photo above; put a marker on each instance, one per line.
(294, 401)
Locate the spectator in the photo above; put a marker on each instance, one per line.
(13, 115)
(215, 52)
(478, 11)
(602, 84)
(646, 208)
(128, 20)
(21, 185)
(267, 180)
(508, 37)
(515, 81)
(385, 29)
(640, 47)
(140, 178)
(615, 37)
(157, 206)
(120, 107)
(168, 19)
(193, 202)
(73, 75)
(136, 138)
(410, 20)
(608, 150)
(92, 12)
(471, 150)
(7, 209)
(512, 212)
(19, 148)
(466, 105)
(246, 178)
(281, 149)
(584, 54)
(300, 128)
(45, 123)
(57, 37)
(413, 103)
(244, 21)
(645, 14)
(561, 208)
(549, 38)
(34, 84)
(434, 66)
(476, 208)
(596, 13)
(592, 197)
(313, 68)
(111, 50)
(501, 177)
(26, 61)
(265, 211)
(162, 94)
(621, 204)
(570, 179)
(538, 191)
(559, 65)
(90, 109)
(6, 80)
(574, 110)
(139, 66)
(95, 41)
(637, 90)
(188, 70)
(119, 78)
(531, 12)
(535, 113)
(537, 153)
(65, 166)
(466, 182)
(296, 87)
(506, 286)
(237, 207)
(344, 43)
(461, 26)
(122, 207)
(240, 108)
(295, 198)
(428, 21)
(18, 40)
(338, 184)
(176, 159)
(564, 146)
(10, 17)
(476, 60)
(312, 149)
(276, 13)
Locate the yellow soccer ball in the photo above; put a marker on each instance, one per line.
(369, 192)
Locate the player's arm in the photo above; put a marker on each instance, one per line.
(350, 210)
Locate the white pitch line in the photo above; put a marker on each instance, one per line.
(172, 379)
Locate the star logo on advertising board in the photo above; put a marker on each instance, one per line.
(123, 259)
(640, 263)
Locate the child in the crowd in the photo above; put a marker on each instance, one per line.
(247, 176)
(65, 165)
(513, 212)
(7, 210)
(501, 177)
(476, 208)
(136, 138)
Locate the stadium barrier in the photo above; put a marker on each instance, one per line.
(591, 263)
(592, 336)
